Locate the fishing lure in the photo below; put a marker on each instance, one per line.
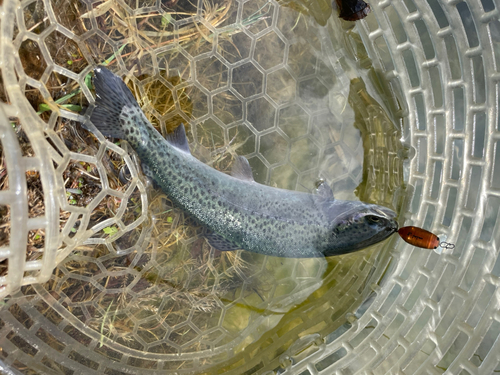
(422, 238)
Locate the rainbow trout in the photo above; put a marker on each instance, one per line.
(238, 212)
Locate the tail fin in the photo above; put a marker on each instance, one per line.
(113, 103)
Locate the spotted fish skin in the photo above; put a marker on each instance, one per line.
(241, 213)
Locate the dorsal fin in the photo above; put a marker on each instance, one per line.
(323, 190)
(241, 169)
(178, 139)
(324, 200)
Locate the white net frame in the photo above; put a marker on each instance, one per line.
(437, 314)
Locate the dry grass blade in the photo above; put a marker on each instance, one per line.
(99, 10)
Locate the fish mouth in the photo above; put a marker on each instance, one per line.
(394, 225)
(387, 231)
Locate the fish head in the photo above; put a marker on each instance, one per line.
(362, 225)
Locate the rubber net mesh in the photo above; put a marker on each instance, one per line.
(99, 273)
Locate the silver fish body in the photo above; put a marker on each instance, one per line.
(239, 212)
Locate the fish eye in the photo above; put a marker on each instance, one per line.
(373, 218)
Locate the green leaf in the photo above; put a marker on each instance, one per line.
(112, 57)
(69, 62)
(37, 237)
(169, 219)
(88, 81)
(43, 108)
(66, 97)
(73, 107)
(110, 230)
(166, 19)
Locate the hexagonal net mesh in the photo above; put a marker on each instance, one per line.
(115, 279)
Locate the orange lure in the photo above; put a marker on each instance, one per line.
(419, 237)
